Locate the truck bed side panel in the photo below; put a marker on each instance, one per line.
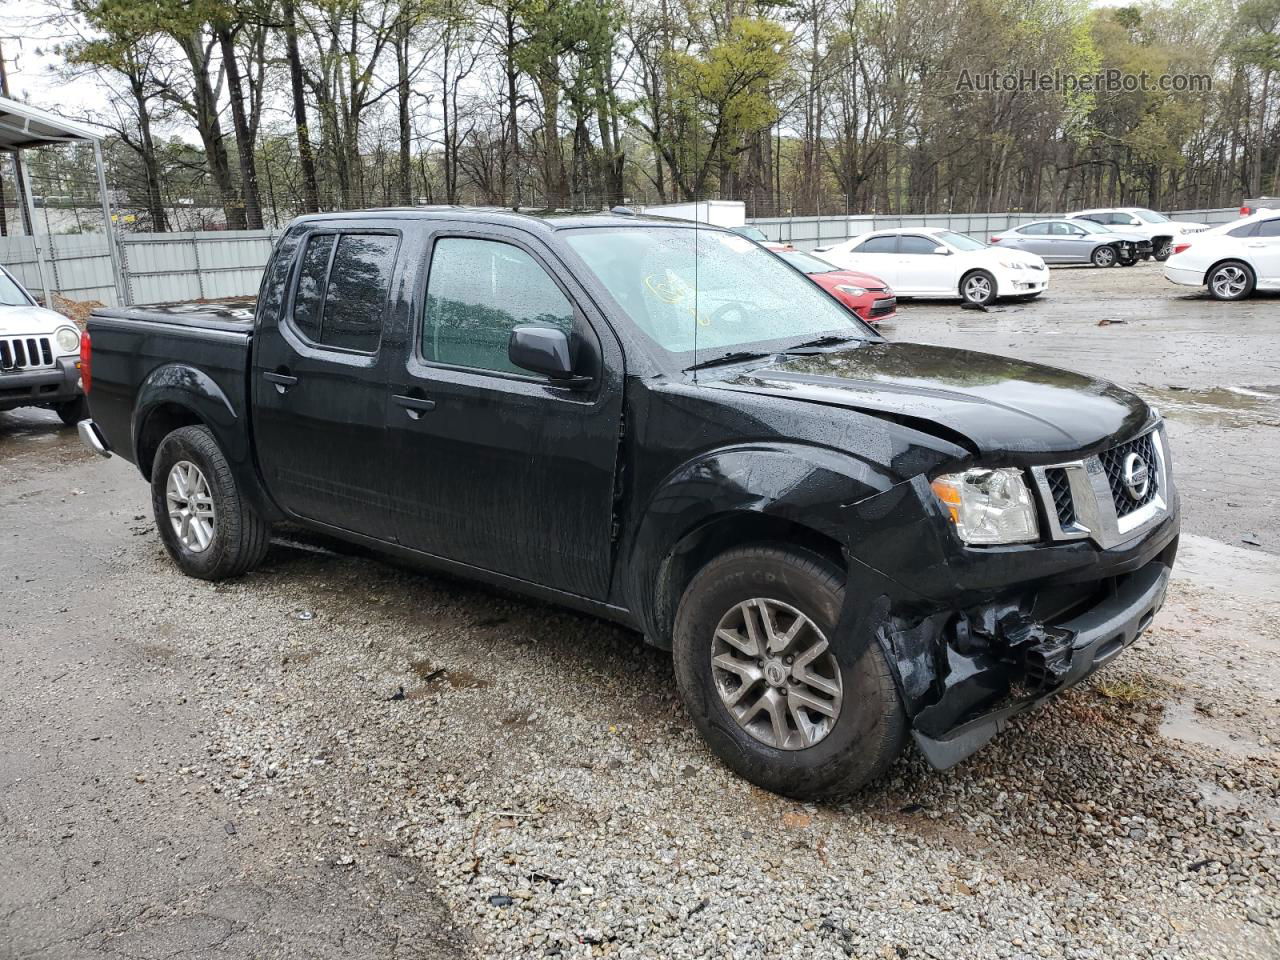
(141, 366)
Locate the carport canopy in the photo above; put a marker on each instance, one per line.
(23, 126)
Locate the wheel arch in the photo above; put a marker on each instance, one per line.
(783, 493)
(965, 275)
(1221, 260)
(179, 395)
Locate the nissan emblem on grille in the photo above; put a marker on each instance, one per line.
(1136, 476)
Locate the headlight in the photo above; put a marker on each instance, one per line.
(851, 290)
(67, 340)
(1012, 264)
(989, 506)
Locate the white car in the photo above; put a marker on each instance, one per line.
(39, 355)
(939, 263)
(1232, 260)
(1156, 227)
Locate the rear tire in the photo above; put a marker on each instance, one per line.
(1231, 280)
(73, 411)
(219, 535)
(819, 755)
(978, 286)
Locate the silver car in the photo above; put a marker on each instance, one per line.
(1076, 241)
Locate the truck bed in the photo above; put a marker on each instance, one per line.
(234, 315)
(141, 354)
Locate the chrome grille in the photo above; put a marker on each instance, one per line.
(1091, 498)
(24, 353)
(1113, 462)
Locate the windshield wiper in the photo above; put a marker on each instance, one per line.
(734, 356)
(828, 341)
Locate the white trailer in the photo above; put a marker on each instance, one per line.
(717, 213)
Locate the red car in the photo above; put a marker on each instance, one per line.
(867, 296)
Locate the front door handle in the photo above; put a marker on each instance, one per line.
(415, 407)
(283, 381)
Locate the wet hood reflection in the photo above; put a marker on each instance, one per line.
(999, 404)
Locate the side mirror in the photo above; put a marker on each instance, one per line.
(944, 251)
(543, 350)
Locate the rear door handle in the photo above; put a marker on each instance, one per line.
(283, 381)
(415, 407)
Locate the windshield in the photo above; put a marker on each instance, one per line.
(805, 263)
(680, 284)
(960, 241)
(754, 233)
(1150, 216)
(11, 294)
(1088, 226)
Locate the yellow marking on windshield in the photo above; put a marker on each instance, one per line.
(677, 292)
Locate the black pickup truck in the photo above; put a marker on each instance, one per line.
(844, 540)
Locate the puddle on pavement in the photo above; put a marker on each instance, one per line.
(1211, 563)
(1231, 405)
(1183, 722)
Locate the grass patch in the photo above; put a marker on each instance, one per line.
(1128, 689)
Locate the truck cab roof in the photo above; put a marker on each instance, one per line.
(544, 220)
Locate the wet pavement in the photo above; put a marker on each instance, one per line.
(1213, 370)
(334, 757)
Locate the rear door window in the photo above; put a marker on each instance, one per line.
(356, 297)
(343, 286)
(1269, 228)
(878, 245)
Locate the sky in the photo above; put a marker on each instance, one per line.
(26, 39)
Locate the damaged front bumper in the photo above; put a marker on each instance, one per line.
(1048, 662)
(975, 636)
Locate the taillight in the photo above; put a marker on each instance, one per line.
(994, 240)
(1179, 247)
(86, 373)
(1245, 211)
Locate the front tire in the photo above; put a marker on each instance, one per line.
(208, 527)
(1103, 257)
(782, 697)
(73, 411)
(1232, 280)
(1163, 250)
(978, 287)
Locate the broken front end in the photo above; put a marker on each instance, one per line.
(979, 632)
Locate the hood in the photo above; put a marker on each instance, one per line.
(1124, 235)
(1024, 256)
(855, 277)
(996, 404)
(25, 319)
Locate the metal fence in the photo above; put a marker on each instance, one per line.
(170, 267)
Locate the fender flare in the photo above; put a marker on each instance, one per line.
(194, 391)
(798, 484)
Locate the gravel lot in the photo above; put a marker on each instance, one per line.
(336, 757)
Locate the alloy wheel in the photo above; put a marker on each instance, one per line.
(190, 502)
(977, 289)
(1229, 282)
(776, 674)
(1104, 257)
